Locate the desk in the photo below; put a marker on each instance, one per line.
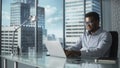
(43, 61)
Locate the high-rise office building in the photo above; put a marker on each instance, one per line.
(41, 17)
(19, 13)
(23, 37)
(32, 2)
(28, 38)
(93, 5)
(74, 18)
(19, 0)
(7, 39)
(41, 23)
(40, 13)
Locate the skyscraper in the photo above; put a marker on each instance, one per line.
(32, 2)
(24, 38)
(19, 13)
(19, 1)
(74, 18)
(41, 17)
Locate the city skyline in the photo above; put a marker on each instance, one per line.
(53, 15)
(23, 37)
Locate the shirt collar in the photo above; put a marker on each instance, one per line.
(97, 32)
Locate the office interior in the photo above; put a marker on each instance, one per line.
(110, 16)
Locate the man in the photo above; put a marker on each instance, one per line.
(95, 42)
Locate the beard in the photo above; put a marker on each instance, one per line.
(94, 29)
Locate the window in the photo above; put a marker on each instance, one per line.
(74, 18)
(28, 26)
(56, 19)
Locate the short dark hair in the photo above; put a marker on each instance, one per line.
(93, 15)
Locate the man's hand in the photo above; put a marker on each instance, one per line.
(72, 53)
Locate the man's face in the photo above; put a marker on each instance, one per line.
(91, 25)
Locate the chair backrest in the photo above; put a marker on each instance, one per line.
(114, 46)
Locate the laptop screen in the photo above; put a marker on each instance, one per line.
(55, 48)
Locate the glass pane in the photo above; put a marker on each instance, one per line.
(26, 24)
(53, 20)
(74, 21)
(74, 18)
(23, 27)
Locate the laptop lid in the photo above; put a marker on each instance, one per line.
(55, 48)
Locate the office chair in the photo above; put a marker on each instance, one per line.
(114, 47)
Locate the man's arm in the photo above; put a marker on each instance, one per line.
(101, 49)
(74, 50)
(76, 47)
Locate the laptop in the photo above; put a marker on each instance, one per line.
(55, 48)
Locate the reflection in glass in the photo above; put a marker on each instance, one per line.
(88, 64)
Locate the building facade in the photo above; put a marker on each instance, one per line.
(19, 13)
(7, 39)
(23, 38)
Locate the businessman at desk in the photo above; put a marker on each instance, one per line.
(95, 42)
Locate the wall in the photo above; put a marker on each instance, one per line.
(115, 18)
(106, 13)
(111, 17)
(0, 28)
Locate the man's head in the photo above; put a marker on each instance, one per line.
(92, 21)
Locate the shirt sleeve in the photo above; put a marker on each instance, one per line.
(76, 47)
(103, 46)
